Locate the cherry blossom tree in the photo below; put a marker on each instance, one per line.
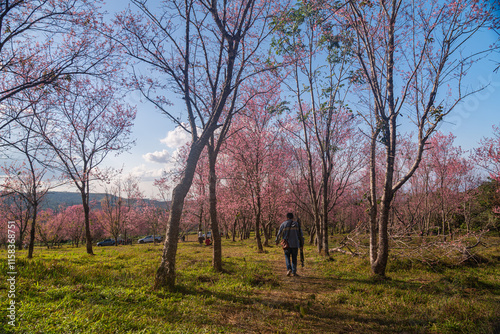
(407, 52)
(50, 227)
(134, 198)
(28, 179)
(449, 167)
(233, 203)
(254, 150)
(75, 223)
(82, 123)
(120, 213)
(113, 213)
(15, 208)
(488, 154)
(25, 181)
(319, 58)
(155, 219)
(203, 51)
(438, 191)
(262, 86)
(43, 42)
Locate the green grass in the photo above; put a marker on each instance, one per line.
(66, 291)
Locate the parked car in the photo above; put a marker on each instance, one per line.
(107, 242)
(149, 238)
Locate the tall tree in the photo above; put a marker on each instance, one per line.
(202, 51)
(50, 227)
(114, 211)
(74, 225)
(14, 207)
(28, 179)
(319, 55)
(255, 155)
(407, 52)
(82, 122)
(449, 167)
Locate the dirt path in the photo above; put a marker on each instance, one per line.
(308, 282)
(300, 301)
(308, 303)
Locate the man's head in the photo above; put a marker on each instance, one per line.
(289, 215)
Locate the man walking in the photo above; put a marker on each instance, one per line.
(291, 232)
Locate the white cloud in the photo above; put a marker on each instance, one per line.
(176, 138)
(158, 156)
(142, 171)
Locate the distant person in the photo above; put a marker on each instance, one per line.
(291, 232)
(208, 242)
(200, 237)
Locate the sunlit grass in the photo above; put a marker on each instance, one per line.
(67, 291)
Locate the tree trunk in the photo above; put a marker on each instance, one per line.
(32, 232)
(234, 228)
(325, 212)
(260, 248)
(165, 275)
(212, 184)
(267, 233)
(86, 210)
(312, 235)
(379, 265)
(258, 218)
(319, 232)
(373, 198)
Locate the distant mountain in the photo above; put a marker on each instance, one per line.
(54, 199)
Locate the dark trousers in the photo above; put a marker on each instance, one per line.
(291, 265)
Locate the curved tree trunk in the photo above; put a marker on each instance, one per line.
(165, 275)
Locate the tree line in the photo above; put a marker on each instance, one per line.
(327, 109)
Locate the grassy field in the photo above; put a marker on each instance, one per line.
(66, 291)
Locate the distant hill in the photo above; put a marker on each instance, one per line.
(54, 199)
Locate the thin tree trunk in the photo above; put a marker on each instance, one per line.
(212, 181)
(86, 211)
(325, 212)
(258, 218)
(234, 228)
(373, 198)
(319, 232)
(32, 232)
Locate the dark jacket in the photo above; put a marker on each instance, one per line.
(291, 231)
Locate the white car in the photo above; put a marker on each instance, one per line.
(149, 238)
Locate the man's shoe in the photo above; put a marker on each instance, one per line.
(295, 274)
(289, 272)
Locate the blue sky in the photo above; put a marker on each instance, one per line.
(157, 138)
